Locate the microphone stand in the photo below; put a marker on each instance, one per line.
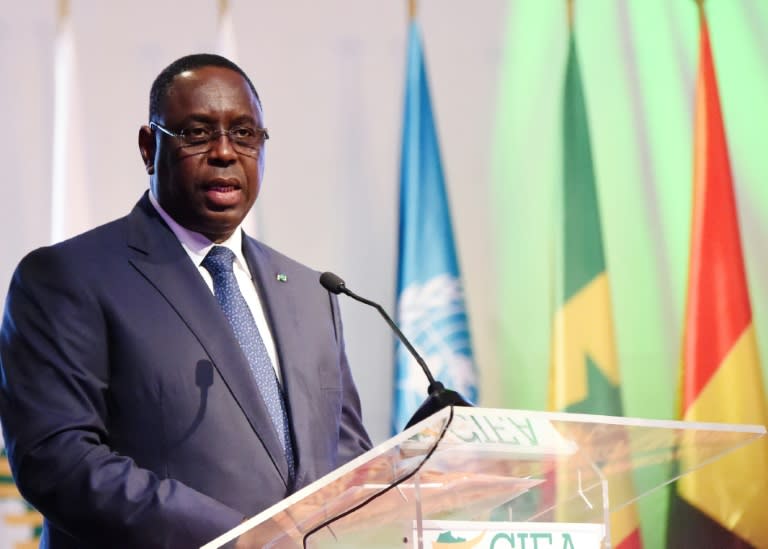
(438, 396)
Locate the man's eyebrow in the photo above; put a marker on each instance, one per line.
(206, 119)
(200, 118)
(246, 118)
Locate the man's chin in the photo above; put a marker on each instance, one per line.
(217, 226)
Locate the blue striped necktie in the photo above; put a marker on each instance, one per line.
(218, 262)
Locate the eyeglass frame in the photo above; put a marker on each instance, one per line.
(215, 135)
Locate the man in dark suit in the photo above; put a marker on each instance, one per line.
(143, 404)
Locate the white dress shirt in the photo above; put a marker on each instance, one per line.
(197, 247)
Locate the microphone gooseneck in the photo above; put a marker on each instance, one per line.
(439, 397)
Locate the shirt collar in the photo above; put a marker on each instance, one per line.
(197, 245)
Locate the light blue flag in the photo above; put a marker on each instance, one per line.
(430, 304)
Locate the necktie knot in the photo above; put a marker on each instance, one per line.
(219, 260)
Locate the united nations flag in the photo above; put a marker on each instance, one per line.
(430, 307)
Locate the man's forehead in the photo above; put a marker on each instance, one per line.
(207, 86)
(209, 75)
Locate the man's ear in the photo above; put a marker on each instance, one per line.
(147, 148)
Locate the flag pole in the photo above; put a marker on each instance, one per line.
(569, 8)
(223, 8)
(64, 9)
(701, 10)
(412, 9)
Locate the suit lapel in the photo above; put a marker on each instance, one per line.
(281, 308)
(163, 261)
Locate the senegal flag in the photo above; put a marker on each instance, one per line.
(584, 373)
(724, 505)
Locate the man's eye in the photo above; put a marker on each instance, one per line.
(243, 132)
(197, 133)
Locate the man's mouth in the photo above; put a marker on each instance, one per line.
(223, 192)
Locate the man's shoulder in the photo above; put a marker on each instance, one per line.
(104, 238)
(76, 257)
(89, 251)
(99, 242)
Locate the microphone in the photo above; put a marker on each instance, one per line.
(438, 396)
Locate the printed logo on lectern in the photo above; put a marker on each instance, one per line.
(457, 534)
(449, 541)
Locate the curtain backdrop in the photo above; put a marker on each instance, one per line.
(331, 77)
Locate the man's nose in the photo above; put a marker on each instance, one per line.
(221, 147)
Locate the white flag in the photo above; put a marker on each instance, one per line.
(70, 211)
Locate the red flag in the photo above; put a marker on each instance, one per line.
(723, 505)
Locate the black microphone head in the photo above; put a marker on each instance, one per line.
(331, 282)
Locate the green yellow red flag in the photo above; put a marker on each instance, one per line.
(584, 374)
(724, 504)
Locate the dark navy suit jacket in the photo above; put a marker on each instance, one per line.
(130, 415)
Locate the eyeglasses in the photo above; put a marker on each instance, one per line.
(200, 139)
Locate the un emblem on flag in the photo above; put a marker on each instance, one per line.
(434, 318)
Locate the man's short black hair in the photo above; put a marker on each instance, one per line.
(187, 63)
